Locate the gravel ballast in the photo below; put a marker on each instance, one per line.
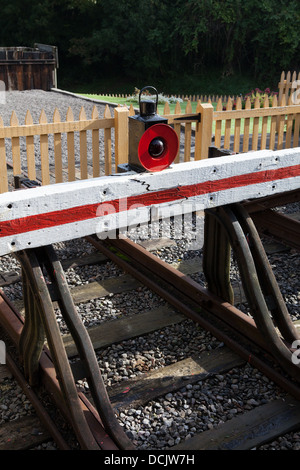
(195, 408)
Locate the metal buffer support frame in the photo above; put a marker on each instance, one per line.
(230, 227)
(44, 282)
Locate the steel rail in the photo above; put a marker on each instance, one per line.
(278, 226)
(36, 403)
(269, 202)
(213, 310)
(183, 284)
(13, 324)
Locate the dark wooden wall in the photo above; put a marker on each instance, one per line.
(23, 68)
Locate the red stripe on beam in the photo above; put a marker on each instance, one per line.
(91, 211)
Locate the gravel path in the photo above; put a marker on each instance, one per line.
(37, 100)
(168, 420)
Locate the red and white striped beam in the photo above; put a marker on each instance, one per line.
(50, 214)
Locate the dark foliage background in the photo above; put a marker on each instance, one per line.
(169, 41)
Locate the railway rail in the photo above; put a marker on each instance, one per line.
(100, 409)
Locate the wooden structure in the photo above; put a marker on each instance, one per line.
(24, 68)
(258, 128)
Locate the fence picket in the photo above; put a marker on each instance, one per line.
(131, 110)
(30, 149)
(218, 125)
(273, 126)
(296, 131)
(289, 125)
(70, 147)
(15, 146)
(3, 167)
(237, 128)
(297, 117)
(287, 88)
(57, 149)
(95, 145)
(188, 134)
(227, 126)
(281, 86)
(107, 144)
(281, 126)
(167, 108)
(198, 134)
(83, 147)
(177, 130)
(44, 151)
(255, 126)
(246, 127)
(264, 128)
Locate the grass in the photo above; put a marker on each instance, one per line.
(125, 101)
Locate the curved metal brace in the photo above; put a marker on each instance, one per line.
(32, 337)
(32, 269)
(267, 278)
(38, 305)
(216, 259)
(263, 295)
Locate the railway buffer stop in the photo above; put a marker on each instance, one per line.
(229, 188)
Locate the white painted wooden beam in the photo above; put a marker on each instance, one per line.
(49, 214)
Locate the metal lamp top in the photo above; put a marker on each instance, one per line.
(148, 107)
